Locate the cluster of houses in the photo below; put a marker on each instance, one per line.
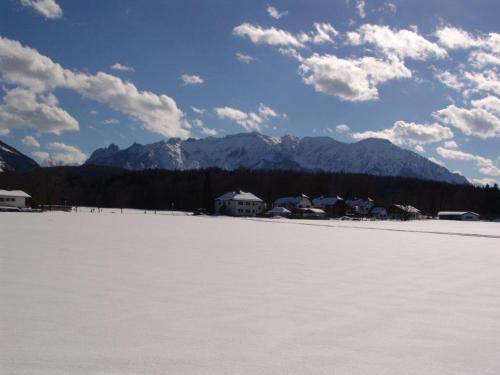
(241, 203)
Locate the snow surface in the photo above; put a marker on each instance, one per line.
(110, 293)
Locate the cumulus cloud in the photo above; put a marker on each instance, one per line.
(455, 38)
(436, 161)
(450, 144)
(250, 121)
(350, 79)
(23, 109)
(191, 79)
(486, 166)
(342, 128)
(38, 75)
(121, 68)
(322, 33)
(401, 43)
(209, 132)
(360, 7)
(60, 154)
(247, 59)
(30, 141)
(419, 149)
(47, 8)
(481, 121)
(448, 79)
(409, 133)
(275, 13)
(199, 111)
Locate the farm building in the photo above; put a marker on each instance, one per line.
(403, 212)
(378, 212)
(301, 201)
(458, 215)
(278, 211)
(239, 203)
(333, 206)
(360, 207)
(13, 198)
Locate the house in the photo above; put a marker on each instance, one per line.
(458, 215)
(378, 212)
(290, 203)
(403, 212)
(13, 198)
(278, 212)
(239, 203)
(308, 213)
(360, 207)
(333, 206)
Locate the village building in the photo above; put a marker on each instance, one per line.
(378, 212)
(308, 213)
(13, 198)
(403, 212)
(458, 215)
(278, 212)
(290, 203)
(333, 206)
(360, 207)
(239, 203)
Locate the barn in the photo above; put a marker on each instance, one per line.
(459, 215)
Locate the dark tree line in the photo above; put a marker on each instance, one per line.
(188, 190)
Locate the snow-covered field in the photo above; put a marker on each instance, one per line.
(110, 293)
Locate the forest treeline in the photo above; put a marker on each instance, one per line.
(188, 190)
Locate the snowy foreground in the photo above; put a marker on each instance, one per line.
(106, 293)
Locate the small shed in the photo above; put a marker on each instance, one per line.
(459, 215)
(13, 198)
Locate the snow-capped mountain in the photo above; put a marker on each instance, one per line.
(258, 151)
(13, 160)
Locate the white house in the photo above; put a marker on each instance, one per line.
(458, 215)
(360, 206)
(239, 203)
(301, 201)
(13, 198)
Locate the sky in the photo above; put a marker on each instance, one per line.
(79, 75)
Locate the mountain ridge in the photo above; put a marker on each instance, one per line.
(373, 156)
(13, 160)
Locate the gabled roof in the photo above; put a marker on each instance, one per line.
(14, 193)
(291, 200)
(408, 208)
(239, 195)
(456, 213)
(279, 210)
(326, 201)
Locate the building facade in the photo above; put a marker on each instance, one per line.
(290, 203)
(13, 198)
(458, 215)
(239, 203)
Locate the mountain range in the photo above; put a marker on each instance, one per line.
(13, 160)
(257, 151)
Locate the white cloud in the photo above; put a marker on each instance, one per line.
(61, 154)
(481, 59)
(30, 141)
(486, 166)
(25, 67)
(450, 144)
(250, 121)
(360, 7)
(23, 109)
(350, 79)
(474, 121)
(110, 121)
(197, 122)
(342, 128)
(47, 8)
(455, 38)
(401, 43)
(209, 132)
(448, 79)
(291, 52)
(271, 36)
(247, 59)
(191, 79)
(199, 111)
(274, 13)
(121, 68)
(409, 133)
(483, 181)
(419, 149)
(438, 162)
(486, 80)
(322, 33)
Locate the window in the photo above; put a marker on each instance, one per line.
(247, 203)
(1, 199)
(240, 203)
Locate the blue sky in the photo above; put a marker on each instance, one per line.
(425, 74)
